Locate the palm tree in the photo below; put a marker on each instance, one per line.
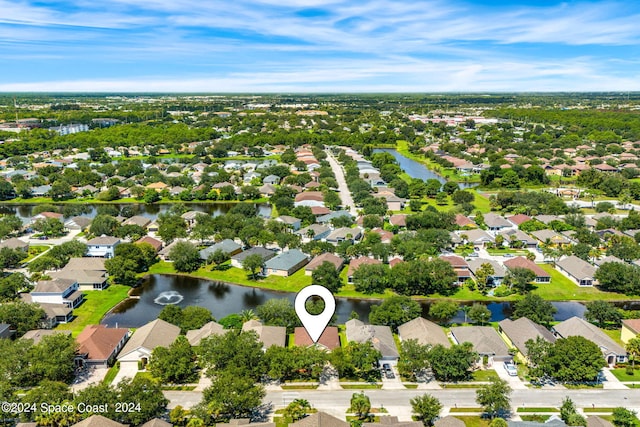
(633, 348)
(465, 309)
(247, 315)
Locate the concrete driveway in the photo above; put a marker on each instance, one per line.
(515, 382)
(127, 370)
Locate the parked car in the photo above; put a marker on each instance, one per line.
(511, 369)
(508, 255)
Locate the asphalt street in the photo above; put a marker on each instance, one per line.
(338, 399)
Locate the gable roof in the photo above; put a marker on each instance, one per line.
(156, 422)
(423, 331)
(576, 267)
(99, 342)
(329, 339)
(380, 336)
(632, 324)
(519, 218)
(268, 335)
(98, 421)
(522, 262)
(576, 326)
(265, 253)
(449, 421)
(103, 241)
(485, 339)
(53, 286)
(286, 260)
(477, 235)
(463, 221)
(355, 263)
(523, 329)
(157, 333)
(194, 336)
(476, 263)
(325, 257)
(320, 419)
(227, 246)
(155, 243)
(494, 221)
(86, 263)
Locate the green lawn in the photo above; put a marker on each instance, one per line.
(563, 289)
(537, 409)
(621, 374)
(507, 251)
(361, 386)
(482, 202)
(535, 418)
(485, 375)
(111, 374)
(465, 410)
(474, 421)
(614, 334)
(96, 304)
(598, 409)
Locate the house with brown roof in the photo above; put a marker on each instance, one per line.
(158, 186)
(630, 329)
(522, 262)
(464, 221)
(320, 419)
(518, 219)
(355, 263)
(423, 331)
(459, 265)
(309, 198)
(98, 421)
(398, 220)
(155, 243)
(157, 333)
(329, 339)
(316, 262)
(99, 345)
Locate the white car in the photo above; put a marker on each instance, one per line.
(511, 369)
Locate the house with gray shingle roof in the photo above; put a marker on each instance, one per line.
(575, 326)
(267, 335)
(578, 270)
(485, 340)
(495, 222)
(227, 246)
(313, 232)
(494, 279)
(265, 253)
(286, 263)
(517, 332)
(423, 331)
(379, 336)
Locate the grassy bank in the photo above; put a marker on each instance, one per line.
(96, 304)
(449, 173)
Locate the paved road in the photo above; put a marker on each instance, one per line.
(339, 399)
(345, 194)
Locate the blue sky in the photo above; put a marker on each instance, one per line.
(319, 45)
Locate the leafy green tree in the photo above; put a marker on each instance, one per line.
(569, 414)
(603, 312)
(10, 258)
(53, 358)
(234, 351)
(278, 312)
(394, 311)
(327, 275)
(174, 364)
(194, 317)
(297, 409)
(371, 278)
(360, 405)
(122, 270)
(185, 256)
(9, 224)
(452, 364)
(50, 227)
(95, 395)
(460, 197)
(21, 316)
(574, 359)
(426, 408)
(414, 358)
(218, 258)
(443, 310)
(171, 226)
(253, 264)
(520, 279)
(104, 225)
(498, 422)
(479, 313)
(147, 396)
(494, 397)
(633, 349)
(231, 395)
(49, 392)
(623, 417)
(483, 273)
(11, 285)
(535, 308)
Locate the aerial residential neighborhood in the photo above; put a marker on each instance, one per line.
(165, 271)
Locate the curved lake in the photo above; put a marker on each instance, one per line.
(416, 169)
(224, 299)
(24, 211)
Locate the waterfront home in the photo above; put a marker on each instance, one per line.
(137, 352)
(329, 339)
(227, 246)
(291, 222)
(267, 335)
(522, 262)
(379, 336)
(99, 345)
(423, 331)
(577, 269)
(286, 263)
(155, 243)
(517, 332)
(194, 336)
(494, 279)
(355, 263)
(316, 262)
(103, 246)
(57, 291)
(36, 335)
(575, 326)
(485, 340)
(266, 254)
